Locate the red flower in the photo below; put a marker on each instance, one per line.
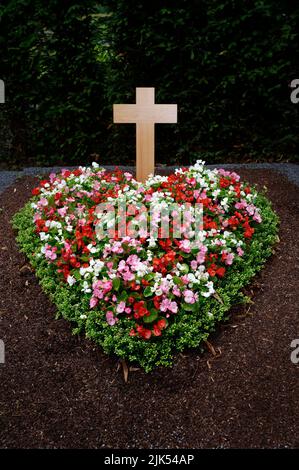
(144, 332)
(35, 191)
(220, 272)
(161, 323)
(224, 183)
(156, 330)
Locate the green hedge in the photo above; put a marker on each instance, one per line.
(227, 64)
(188, 330)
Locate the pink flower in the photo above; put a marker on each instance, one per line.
(167, 304)
(43, 202)
(240, 251)
(111, 320)
(52, 177)
(193, 264)
(128, 276)
(229, 259)
(121, 307)
(50, 252)
(257, 218)
(62, 211)
(128, 176)
(185, 246)
(200, 258)
(241, 205)
(176, 291)
(133, 260)
(107, 286)
(173, 307)
(93, 302)
(189, 297)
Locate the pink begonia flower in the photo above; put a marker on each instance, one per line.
(128, 176)
(176, 291)
(241, 205)
(43, 202)
(167, 304)
(193, 264)
(128, 276)
(240, 251)
(235, 176)
(62, 211)
(133, 260)
(173, 307)
(229, 259)
(107, 286)
(250, 209)
(191, 181)
(117, 248)
(121, 307)
(93, 302)
(98, 293)
(52, 177)
(50, 252)
(184, 245)
(114, 298)
(67, 246)
(189, 297)
(185, 279)
(257, 218)
(200, 258)
(97, 185)
(111, 319)
(164, 286)
(128, 310)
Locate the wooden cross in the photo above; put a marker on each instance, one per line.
(145, 113)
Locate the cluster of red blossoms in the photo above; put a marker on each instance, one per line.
(171, 274)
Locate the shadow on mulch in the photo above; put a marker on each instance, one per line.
(60, 391)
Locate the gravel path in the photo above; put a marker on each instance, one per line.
(290, 170)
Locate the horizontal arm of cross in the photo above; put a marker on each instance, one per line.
(134, 113)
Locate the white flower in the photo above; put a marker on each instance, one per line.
(71, 280)
(44, 236)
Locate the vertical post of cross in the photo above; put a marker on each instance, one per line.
(145, 136)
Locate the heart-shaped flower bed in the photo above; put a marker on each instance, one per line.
(140, 293)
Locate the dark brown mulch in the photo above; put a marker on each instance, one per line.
(57, 390)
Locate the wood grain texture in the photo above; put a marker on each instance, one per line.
(145, 114)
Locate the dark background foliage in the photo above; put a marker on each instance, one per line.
(227, 64)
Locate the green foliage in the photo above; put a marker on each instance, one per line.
(52, 78)
(190, 327)
(227, 64)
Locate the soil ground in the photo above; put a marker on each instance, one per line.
(60, 391)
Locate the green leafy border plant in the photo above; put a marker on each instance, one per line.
(189, 328)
